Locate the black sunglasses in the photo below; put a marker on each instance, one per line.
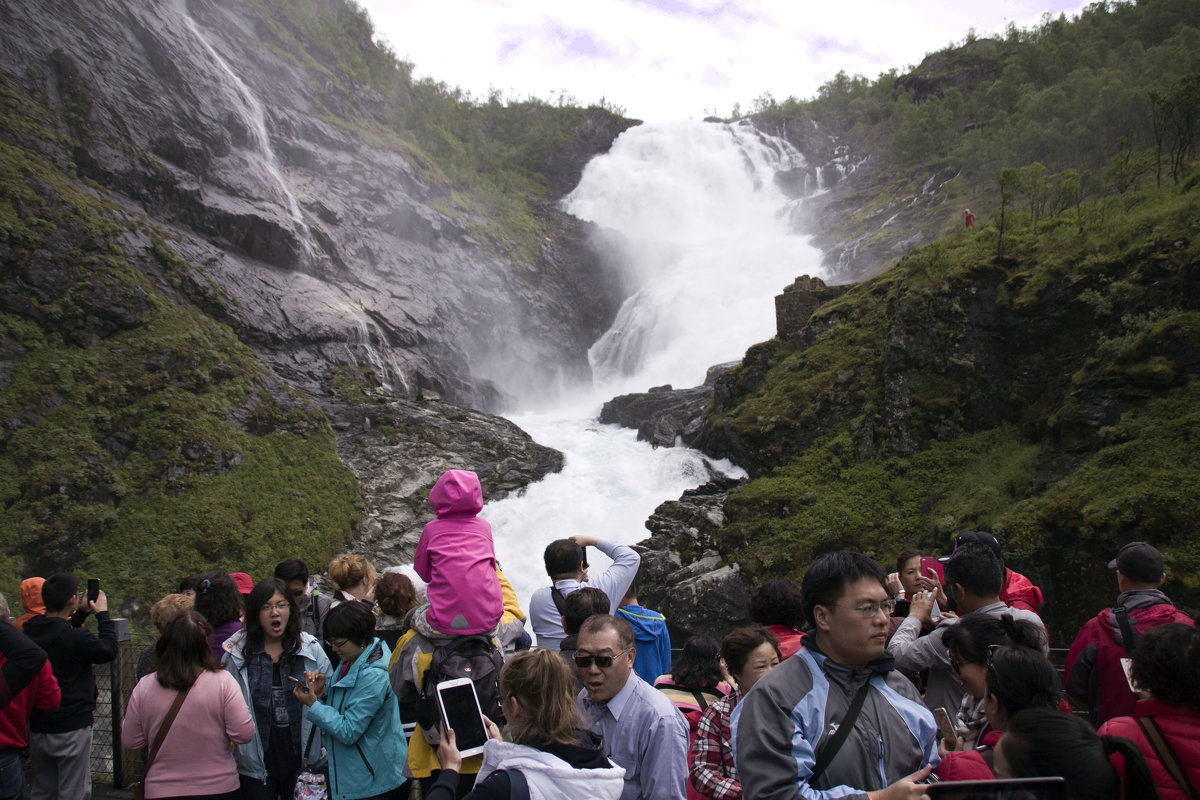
(603, 662)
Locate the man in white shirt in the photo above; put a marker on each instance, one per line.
(565, 565)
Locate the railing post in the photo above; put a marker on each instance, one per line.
(122, 678)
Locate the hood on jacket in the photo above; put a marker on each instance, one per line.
(456, 492)
(647, 624)
(31, 596)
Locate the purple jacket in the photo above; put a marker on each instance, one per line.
(457, 560)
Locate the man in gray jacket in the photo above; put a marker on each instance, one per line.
(791, 735)
(974, 577)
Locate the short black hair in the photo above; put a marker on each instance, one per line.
(828, 576)
(1166, 661)
(291, 570)
(699, 665)
(350, 620)
(976, 568)
(58, 590)
(581, 604)
(777, 602)
(562, 556)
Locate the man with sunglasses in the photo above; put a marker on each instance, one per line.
(836, 720)
(642, 731)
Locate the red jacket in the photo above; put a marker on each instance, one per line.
(790, 640)
(1180, 727)
(42, 694)
(1019, 592)
(1094, 671)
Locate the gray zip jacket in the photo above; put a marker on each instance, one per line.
(781, 722)
(249, 756)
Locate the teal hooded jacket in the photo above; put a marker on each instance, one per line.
(360, 718)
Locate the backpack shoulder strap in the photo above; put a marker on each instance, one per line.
(700, 701)
(832, 746)
(560, 600)
(1166, 754)
(1129, 634)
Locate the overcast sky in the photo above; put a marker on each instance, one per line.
(679, 59)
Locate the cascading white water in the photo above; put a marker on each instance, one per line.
(709, 246)
(254, 117)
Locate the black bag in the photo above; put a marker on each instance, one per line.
(476, 657)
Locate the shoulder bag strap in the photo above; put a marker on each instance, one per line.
(1128, 634)
(560, 600)
(1166, 754)
(162, 729)
(831, 747)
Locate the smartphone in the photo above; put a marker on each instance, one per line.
(930, 563)
(585, 561)
(298, 682)
(1003, 789)
(93, 592)
(461, 713)
(946, 728)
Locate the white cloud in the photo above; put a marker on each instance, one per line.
(677, 59)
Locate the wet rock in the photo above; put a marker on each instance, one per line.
(682, 574)
(664, 415)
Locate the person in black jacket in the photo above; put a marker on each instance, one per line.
(60, 742)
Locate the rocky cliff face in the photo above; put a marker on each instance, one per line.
(328, 249)
(270, 194)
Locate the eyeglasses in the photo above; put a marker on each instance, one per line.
(281, 607)
(603, 662)
(869, 610)
(334, 644)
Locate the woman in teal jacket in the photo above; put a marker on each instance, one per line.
(360, 717)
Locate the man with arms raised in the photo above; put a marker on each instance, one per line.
(642, 730)
(836, 720)
(567, 569)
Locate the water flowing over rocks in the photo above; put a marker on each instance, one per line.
(664, 415)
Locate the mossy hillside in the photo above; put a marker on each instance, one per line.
(142, 441)
(1049, 396)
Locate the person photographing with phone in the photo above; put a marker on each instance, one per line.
(359, 714)
(548, 753)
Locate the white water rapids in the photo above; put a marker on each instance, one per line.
(709, 247)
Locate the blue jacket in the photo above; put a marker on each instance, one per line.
(249, 756)
(653, 641)
(361, 719)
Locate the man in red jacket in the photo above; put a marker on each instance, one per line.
(1098, 661)
(41, 694)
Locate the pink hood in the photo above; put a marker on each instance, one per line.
(456, 492)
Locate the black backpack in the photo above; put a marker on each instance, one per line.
(476, 657)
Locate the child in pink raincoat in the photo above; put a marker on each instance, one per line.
(457, 559)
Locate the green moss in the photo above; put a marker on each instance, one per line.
(122, 457)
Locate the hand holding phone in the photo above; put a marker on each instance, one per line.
(93, 589)
(303, 686)
(946, 729)
(460, 711)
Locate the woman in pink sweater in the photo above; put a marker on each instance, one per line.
(195, 759)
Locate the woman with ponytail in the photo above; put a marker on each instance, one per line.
(1166, 726)
(548, 753)
(1043, 743)
(1017, 678)
(220, 602)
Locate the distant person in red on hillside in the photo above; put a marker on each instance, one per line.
(969, 218)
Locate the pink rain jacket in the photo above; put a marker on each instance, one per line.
(457, 559)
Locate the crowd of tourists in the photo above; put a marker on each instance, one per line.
(853, 683)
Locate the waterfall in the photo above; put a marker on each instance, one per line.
(254, 117)
(709, 244)
(707, 229)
